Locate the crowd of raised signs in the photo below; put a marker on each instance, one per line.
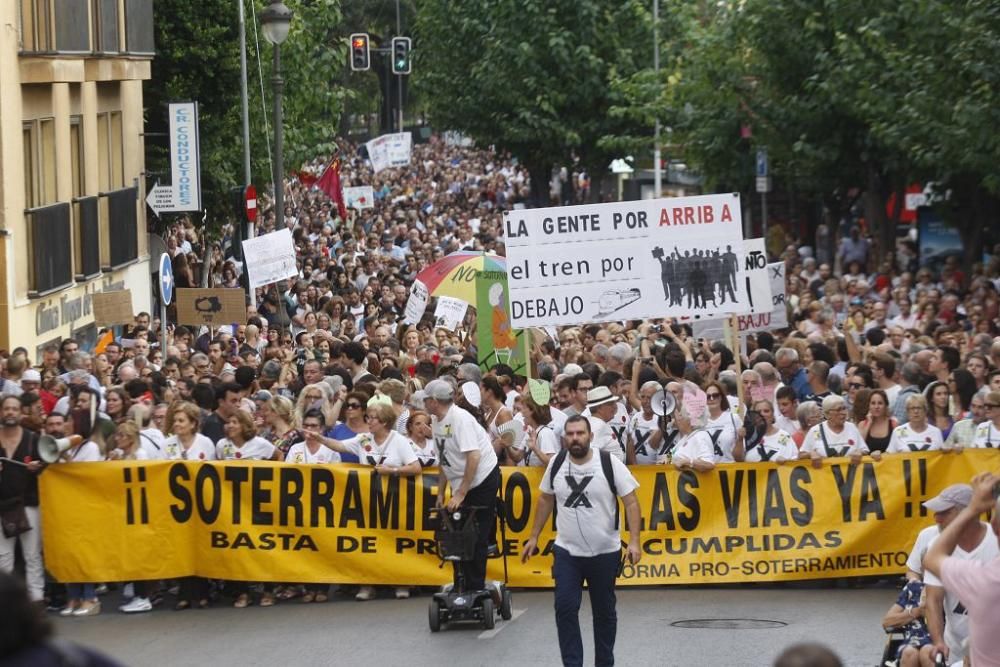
(881, 358)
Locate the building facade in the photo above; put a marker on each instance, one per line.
(72, 186)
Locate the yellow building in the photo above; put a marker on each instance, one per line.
(72, 211)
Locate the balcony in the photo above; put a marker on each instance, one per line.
(121, 226)
(50, 241)
(86, 27)
(87, 224)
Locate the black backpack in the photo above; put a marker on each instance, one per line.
(609, 474)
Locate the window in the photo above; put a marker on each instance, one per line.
(36, 26)
(39, 139)
(31, 197)
(110, 158)
(76, 154)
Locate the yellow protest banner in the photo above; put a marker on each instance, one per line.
(263, 521)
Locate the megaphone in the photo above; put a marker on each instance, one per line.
(51, 449)
(663, 403)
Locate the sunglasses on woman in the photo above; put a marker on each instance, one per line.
(353, 406)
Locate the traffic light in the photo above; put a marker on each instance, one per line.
(400, 55)
(360, 54)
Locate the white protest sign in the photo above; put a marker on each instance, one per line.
(270, 258)
(362, 196)
(449, 312)
(416, 304)
(185, 157)
(776, 318)
(389, 150)
(625, 260)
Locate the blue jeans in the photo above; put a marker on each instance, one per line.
(81, 592)
(600, 573)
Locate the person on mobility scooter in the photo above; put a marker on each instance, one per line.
(470, 467)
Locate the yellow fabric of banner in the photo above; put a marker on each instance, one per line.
(262, 521)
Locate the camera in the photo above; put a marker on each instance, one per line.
(656, 328)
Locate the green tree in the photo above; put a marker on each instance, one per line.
(198, 59)
(535, 77)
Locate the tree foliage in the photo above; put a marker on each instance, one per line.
(197, 58)
(848, 96)
(535, 77)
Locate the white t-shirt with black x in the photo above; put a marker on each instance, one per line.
(585, 506)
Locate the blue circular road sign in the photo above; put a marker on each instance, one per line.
(166, 279)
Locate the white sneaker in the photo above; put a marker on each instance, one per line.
(496, 591)
(402, 593)
(447, 588)
(137, 605)
(366, 593)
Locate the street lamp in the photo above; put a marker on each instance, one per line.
(275, 21)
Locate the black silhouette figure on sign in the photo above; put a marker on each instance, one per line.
(703, 279)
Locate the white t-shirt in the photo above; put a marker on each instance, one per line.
(395, 450)
(905, 439)
(641, 431)
(776, 448)
(151, 441)
(696, 446)
(784, 423)
(892, 393)
(585, 520)
(846, 443)
(547, 442)
(87, 452)
(254, 449)
(619, 427)
(915, 561)
(956, 619)
(987, 435)
(427, 455)
(456, 435)
(722, 430)
(201, 449)
(604, 438)
(299, 453)
(558, 422)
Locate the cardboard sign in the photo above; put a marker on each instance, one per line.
(626, 260)
(211, 307)
(111, 308)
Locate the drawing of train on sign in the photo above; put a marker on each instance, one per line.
(616, 299)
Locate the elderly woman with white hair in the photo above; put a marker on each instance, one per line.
(694, 449)
(834, 437)
(916, 435)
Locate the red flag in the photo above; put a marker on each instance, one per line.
(307, 179)
(329, 183)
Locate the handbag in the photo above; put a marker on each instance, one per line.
(15, 521)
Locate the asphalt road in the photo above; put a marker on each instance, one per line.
(391, 632)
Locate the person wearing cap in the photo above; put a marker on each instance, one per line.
(603, 406)
(469, 466)
(31, 381)
(962, 573)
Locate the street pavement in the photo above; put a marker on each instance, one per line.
(395, 632)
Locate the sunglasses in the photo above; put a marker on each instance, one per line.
(353, 406)
(855, 385)
(712, 397)
(993, 405)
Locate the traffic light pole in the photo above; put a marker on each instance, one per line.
(399, 77)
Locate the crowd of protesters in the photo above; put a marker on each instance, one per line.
(878, 359)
